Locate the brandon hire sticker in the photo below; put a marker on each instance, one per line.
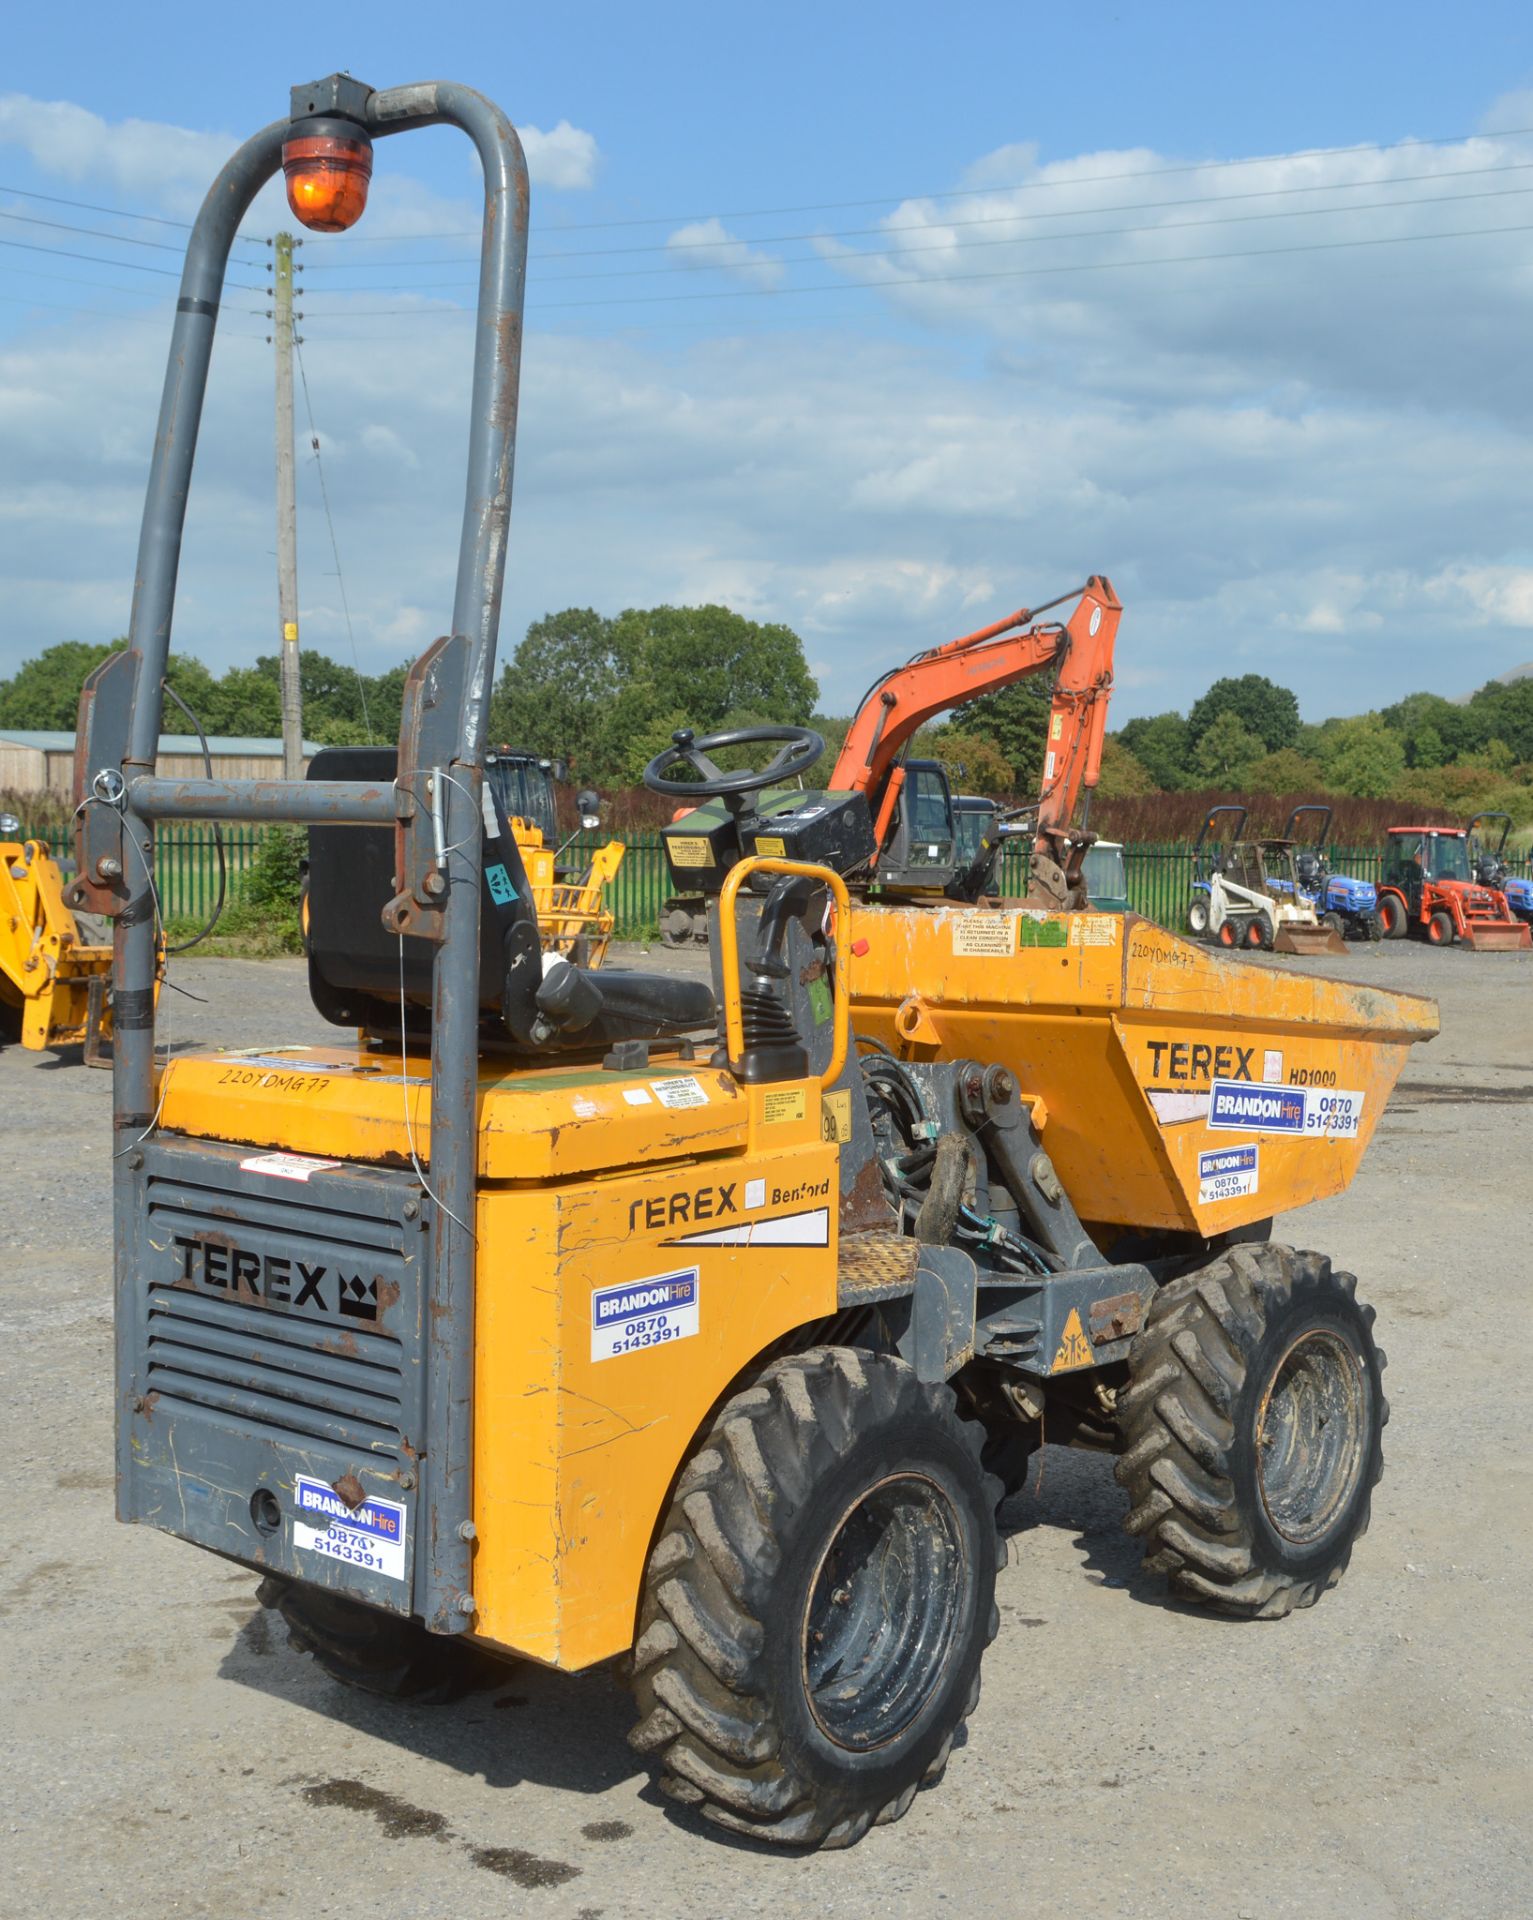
(1324, 1113)
(371, 1536)
(644, 1313)
(1227, 1173)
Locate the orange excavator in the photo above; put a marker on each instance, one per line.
(911, 841)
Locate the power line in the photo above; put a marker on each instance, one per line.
(673, 246)
(100, 233)
(952, 279)
(944, 246)
(122, 266)
(1020, 186)
(122, 213)
(324, 494)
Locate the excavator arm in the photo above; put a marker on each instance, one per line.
(982, 662)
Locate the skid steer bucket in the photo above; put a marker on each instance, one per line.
(1497, 936)
(1312, 939)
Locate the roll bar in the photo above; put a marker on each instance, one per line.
(434, 804)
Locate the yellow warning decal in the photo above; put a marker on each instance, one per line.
(686, 852)
(770, 848)
(782, 1104)
(836, 1117)
(1057, 727)
(290, 630)
(1074, 1348)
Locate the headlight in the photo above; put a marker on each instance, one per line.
(10, 824)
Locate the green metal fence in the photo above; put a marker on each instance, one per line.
(1159, 877)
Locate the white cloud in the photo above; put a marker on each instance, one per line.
(566, 157)
(169, 166)
(708, 244)
(1499, 596)
(1314, 466)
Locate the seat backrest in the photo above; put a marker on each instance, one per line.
(354, 961)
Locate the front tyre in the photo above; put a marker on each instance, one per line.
(818, 1601)
(1197, 918)
(1393, 917)
(1252, 1430)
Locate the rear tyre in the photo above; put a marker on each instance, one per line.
(1252, 1428)
(1440, 929)
(376, 1652)
(1393, 917)
(818, 1601)
(1197, 918)
(1259, 933)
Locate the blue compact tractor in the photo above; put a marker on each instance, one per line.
(1349, 907)
(1490, 868)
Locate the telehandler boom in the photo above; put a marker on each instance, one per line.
(580, 1314)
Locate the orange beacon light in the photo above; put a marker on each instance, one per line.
(327, 168)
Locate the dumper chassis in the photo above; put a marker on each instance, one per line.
(569, 1316)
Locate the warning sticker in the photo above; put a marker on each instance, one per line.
(770, 846)
(686, 1090)
(687, 852)
(836, 1116)
(1272, 1067)
(638, 1096)
(371, 1535)
(984, 936)
(1094, 930)
(285, 1166)
(1040, 930)
(781, 1104)
(1074, 1347)
(1227, 1173)
(644, 1313)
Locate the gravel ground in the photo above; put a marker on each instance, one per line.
(166, 1753)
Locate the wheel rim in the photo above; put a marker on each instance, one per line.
(1310, 1436)
(884, 1611)
(1227, 935)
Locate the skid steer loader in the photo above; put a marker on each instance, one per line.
(1248, 893)
(574, 1315)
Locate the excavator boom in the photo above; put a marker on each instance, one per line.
(983, 662)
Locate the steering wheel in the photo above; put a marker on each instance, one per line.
(799, 749)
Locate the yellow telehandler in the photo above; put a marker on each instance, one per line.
(55, 988)
(575, 1315)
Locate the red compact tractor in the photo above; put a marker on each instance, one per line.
(1427, 888)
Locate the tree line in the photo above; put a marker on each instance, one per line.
(607, 691)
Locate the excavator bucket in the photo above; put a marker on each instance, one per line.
(1293, 938)
(1497, 936)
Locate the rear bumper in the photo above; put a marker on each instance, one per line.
(270, 1374)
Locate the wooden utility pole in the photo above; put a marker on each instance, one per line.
(287, 527)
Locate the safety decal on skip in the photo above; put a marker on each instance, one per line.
(1227, 1173)
(984, 936)
(371, 1535)
(644, 1313)
(1322, 1113)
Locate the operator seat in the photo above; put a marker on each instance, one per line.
(360, 974)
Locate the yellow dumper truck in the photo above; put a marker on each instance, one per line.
(577, 1315)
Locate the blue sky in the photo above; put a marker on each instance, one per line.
(871, 319)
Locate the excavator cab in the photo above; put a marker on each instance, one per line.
(921, 852)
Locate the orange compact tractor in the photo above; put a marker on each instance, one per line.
(1427, 889)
